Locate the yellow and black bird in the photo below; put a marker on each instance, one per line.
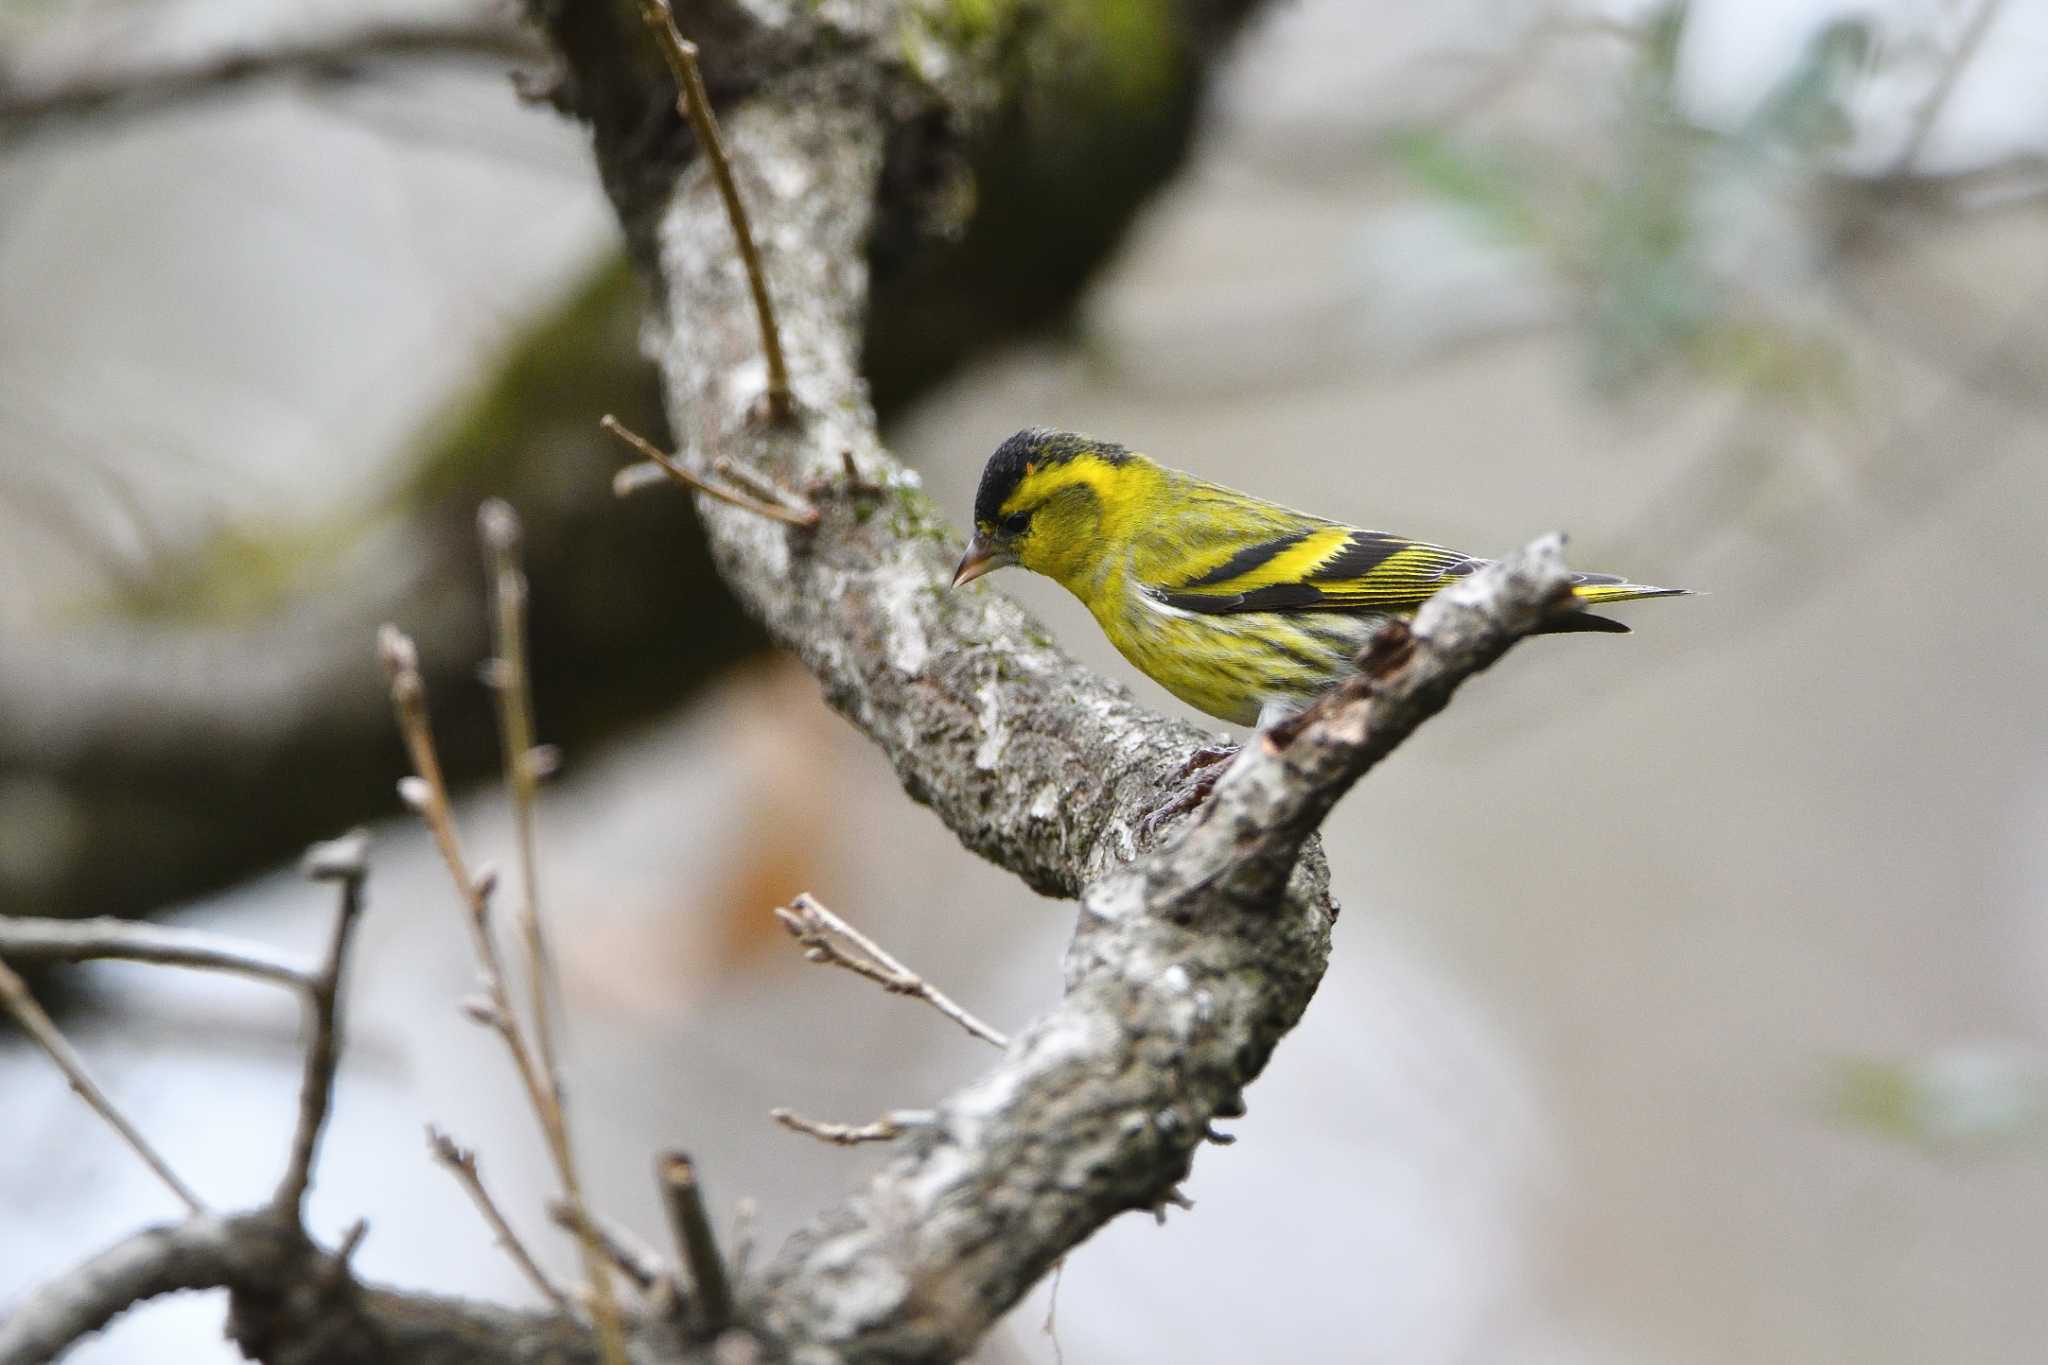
(1239, 607)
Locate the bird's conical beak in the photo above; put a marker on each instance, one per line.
(980, 558)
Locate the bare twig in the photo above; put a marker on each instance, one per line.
(628, 479)
(759, 484)
(887, 1128)
(745, 1212)
(461, 1163)
(1052, 1312)
(109, 939)
(108, 78)
(695, 105)
(820, 933)
(1929, 111)
(342, 860)
(18, 1002)
(499, 526)
(427, 792)
(352, 1238)
(636, 1260)
(696, 1245)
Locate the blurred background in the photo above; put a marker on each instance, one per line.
(1690, 1001)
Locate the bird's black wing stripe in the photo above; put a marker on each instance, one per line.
(1272, 597)
(1247, 559)
(1362, 553)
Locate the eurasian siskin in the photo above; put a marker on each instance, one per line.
(1239, 607)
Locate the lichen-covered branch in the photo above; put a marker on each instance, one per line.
(1036, 763)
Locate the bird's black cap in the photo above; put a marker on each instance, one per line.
(1029, 447)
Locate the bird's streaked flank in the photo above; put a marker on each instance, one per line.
(1240, 607)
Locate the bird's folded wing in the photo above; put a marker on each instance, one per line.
(1319, 568)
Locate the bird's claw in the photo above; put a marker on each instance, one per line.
(1208, 756)
(1196, 778)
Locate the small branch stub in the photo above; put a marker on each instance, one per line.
(887, 1128)
(710, 1306)
(635, 1260)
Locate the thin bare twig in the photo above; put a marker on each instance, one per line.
(696, 1245)
(820, 933)
(351, 1239)
(1929, 111)
(791, 510)
(524, 765)
(461, 1163)
(343, 860)
(887, 1128)
(427, 792)
(637, 1261)
(1052, 1312)
(694, 104)
(759, 484)
(745, 1212)
(16, 999)
(120, 940)
(137, 82)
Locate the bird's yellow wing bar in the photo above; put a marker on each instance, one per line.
(1322, 568)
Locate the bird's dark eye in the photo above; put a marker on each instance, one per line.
(1015, 523)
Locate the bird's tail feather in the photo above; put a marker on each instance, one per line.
(1599, 589)
(1602, 588)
